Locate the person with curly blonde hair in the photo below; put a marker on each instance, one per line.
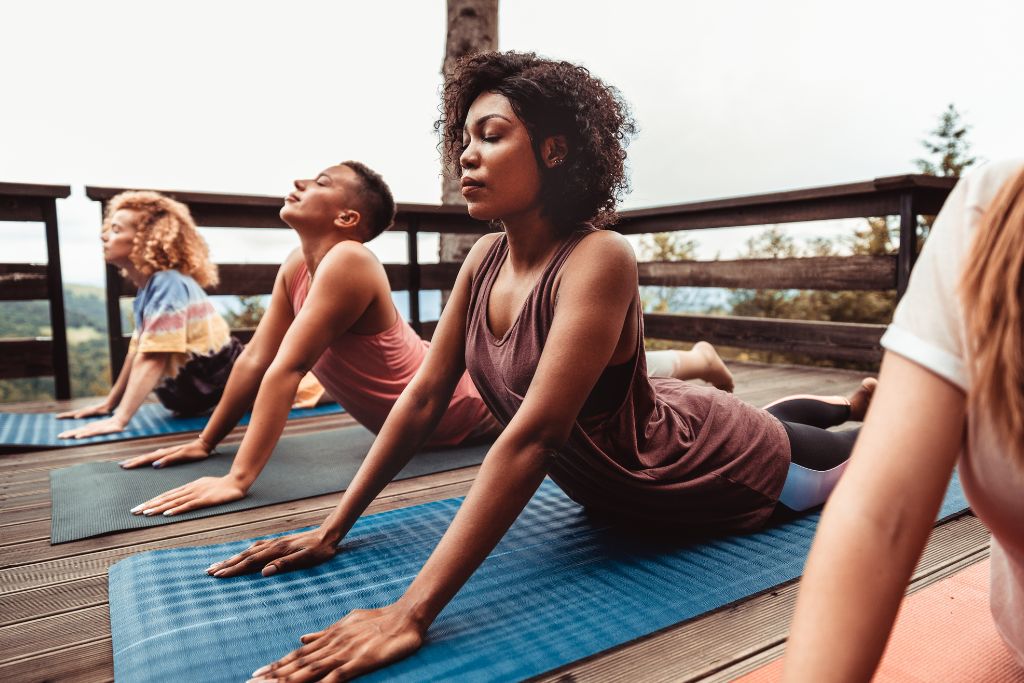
(181, 346)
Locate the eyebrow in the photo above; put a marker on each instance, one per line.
(480, 121)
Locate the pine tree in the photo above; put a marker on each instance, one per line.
(948, 146)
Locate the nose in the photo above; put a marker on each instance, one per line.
(299, 184)
(468, 158)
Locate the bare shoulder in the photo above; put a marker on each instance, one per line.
(349, 257)
(476, 255)
(602, 253)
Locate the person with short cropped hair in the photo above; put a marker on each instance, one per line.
(546, 318)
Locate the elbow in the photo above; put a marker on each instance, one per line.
(283, 374)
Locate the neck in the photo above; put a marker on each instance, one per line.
(531, 240)
(315, 247)
(134, 274)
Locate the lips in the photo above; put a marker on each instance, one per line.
(470, 185)
(291, 198)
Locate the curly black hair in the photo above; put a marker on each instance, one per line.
(376, 196)
(550, 98)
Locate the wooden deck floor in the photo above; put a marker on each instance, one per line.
(54, 619)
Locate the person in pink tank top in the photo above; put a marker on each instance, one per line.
(546, 316)
(357, 345)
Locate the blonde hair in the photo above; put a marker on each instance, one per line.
(166, 237)
(991, 289)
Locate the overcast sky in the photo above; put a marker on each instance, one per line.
(731, 97)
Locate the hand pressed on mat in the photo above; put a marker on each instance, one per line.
(171, 455)
(91, 411)
(296, 551)
(201, 493)
(111, 425)
(362, 641)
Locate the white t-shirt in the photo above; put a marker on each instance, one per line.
(928, 328)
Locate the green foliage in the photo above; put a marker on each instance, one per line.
(249, 315)
(670, 246)
(88, 355)
(947, 146)
(949, 154)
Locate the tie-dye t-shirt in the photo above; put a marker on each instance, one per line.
(173, 315)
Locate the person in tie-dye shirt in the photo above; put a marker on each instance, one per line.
(181, 347)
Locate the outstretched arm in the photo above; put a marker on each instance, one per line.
(411, 421)
(147, 369)
(107, 405)
(346, 268)
(875, 525)
(243, 382)
(595, 298)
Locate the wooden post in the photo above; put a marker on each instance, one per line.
(908, 242)
(412, 236)
(55, 287)
(115, 332)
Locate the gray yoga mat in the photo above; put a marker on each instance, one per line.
(95, 498)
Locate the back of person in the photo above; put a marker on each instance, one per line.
(173, 315)
(367, 373)
(930, 327)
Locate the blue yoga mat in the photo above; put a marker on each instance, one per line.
(40, 430)
(555, 590)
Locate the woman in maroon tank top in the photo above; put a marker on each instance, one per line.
(546, 317)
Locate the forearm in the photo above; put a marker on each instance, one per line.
(269, 417)
(409, 424)
(239, 394)
(147, 369)
(853, 563)
(507, 480)
(121, 383)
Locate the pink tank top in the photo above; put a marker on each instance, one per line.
(366, 373)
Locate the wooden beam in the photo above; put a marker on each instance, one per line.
(23, 282)
(438, 275)
(836, 341)
(33, 190)
(32, 357)
(836, 273)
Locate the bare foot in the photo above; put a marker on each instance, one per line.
(861, 399)
(715, 373)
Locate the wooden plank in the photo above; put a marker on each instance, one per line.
(20, 209)
(438, 275)
(879, 197)
(840, 341)
(23, 282)
(702, 647)
(836, 273)
(25, 357)
(34, 190)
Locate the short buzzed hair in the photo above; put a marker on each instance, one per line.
(378, 204)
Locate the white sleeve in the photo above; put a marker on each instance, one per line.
(927, 326)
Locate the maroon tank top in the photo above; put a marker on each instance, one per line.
(669, 454)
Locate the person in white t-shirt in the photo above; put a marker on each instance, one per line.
(951, 393)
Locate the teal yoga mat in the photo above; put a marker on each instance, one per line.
(555, 590)
(38, 431)
(95, 498)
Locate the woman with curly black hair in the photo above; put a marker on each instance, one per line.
(546, 316)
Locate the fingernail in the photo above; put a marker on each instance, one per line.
(137, 508)
(157, 465)
(122, 463)
(147, 512)
(219, 572)
(168, 513)
(269, 570)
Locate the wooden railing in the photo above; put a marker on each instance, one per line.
(260, 212)
(907, 197)
(38, 356)
(904, 196)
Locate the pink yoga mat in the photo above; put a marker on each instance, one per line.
(943, 633)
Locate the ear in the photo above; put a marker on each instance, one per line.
(553, 151)
(349, 218)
